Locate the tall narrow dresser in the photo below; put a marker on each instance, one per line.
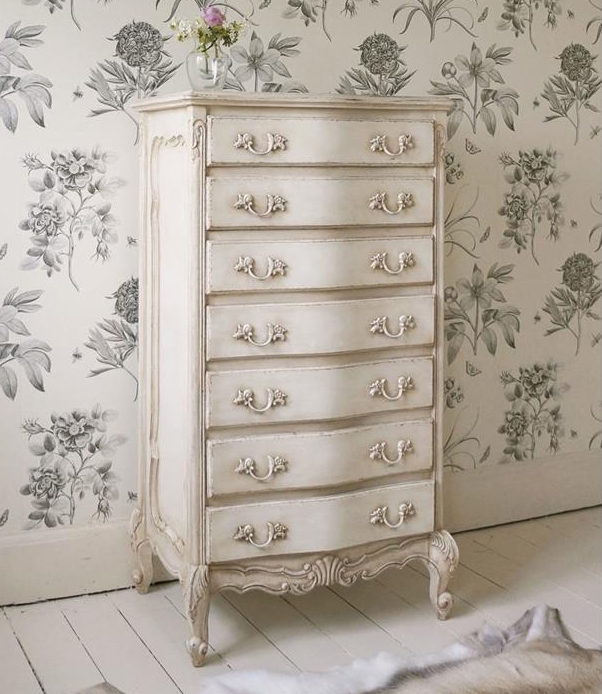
(290, 344)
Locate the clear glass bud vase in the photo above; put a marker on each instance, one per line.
(207, 70)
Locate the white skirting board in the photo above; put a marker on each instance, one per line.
(519, 490)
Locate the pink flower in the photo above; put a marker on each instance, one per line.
(213, 16)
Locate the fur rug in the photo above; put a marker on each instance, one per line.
(535, 655)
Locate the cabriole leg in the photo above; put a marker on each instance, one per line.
(142, 575)
(196, 602)
(442, 562)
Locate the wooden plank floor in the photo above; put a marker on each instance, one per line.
(137, 642)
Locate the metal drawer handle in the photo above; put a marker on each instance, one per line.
(247, 466)
(379, 202)
(246, 397)
(378, 388)
(246, 264)
(274, 333)
(379, 144)
(274, 142)
(246, 533)
(379, 515)
(275, 203)
(379, 326)
(378, 452)
(379, 262)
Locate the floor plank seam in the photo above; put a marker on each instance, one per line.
(83, 645)
(25, 654)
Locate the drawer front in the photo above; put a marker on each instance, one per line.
(315, 141)
(273, 201)
(329, 264)
(288, 395)
(304, 461)
(256, 330)
(324, 523)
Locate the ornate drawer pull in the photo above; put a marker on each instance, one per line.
(276, 464)
(378, 388)
(245, 397)
(275, 267)
(379, 515)
(379, 262)
(274, 142)
(379, 202)
(379, 144)
(379, 326)
(275, 203)
(377, 451)
(276, 531)
(274, 333)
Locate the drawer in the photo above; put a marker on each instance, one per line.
(263, 201)
(309, 394)
(319, 328)
(326, 264)
(323, 523)
(315, 141)
(304, 461)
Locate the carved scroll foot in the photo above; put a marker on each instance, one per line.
(142, 575)
(442, 562)
(196, 603)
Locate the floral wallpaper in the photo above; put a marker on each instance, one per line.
(523, 218)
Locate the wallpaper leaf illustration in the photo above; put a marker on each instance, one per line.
(459, 225)
(143, 66)
(53, 5)
(30, 354)
(73, 201)
(73, 452)
(570, 91)
(598, 434)
(469, 85)
(31, 88)
(470, 315)
(116, 340)
(460, 447)
(309, 11)
(210, 3)
(519, 15)
(569, 304)
(453, 168)
(384, 73)
(534, 179)
(453, 393)
(4, 517)
(450, 12)
(596, 230)
(595, 23)
(534, 394)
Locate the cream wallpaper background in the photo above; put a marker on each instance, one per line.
(523, 205)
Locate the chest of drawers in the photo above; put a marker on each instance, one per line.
(290, 344)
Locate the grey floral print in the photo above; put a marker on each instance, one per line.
(453, 168)
(572, 90)
(470, 314)
(596, 230)
(53, 5)
(461, 225)
(452, 392)
(532, 197)
(469, 84)
(461, 446)
(574, 301)
(519, 15)
(384, 73)
(309, 11)
(73, 201)
(595, 23)
(535, 411)
(596, 439)
(449, 12)
(115, 341)
(4, 517)
(201, 4)
(73, 452)
(29, 353)
(33, 89)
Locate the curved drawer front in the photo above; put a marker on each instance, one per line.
(288, 395)
(319, 328)
(324, 523)
(329, 264)
(274, 201)
(315, 141)
(304, 461)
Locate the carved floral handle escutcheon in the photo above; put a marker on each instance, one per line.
(246, 264)
(274, 143)
(405, 259)
(275, 332)
(379, 515)
(378, 451)
(379, 202)
(246, 533)
(379, 326)
(247, 466)
(275, 203)
(379, 144)
(378, 388)
(246, 398)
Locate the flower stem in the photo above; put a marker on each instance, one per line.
(70, 262)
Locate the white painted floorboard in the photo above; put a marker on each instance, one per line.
(136, 642)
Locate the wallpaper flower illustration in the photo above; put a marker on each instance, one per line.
(448, 12)
(310, 11)
(520, 15)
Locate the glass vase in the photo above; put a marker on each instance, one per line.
(206, 70)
